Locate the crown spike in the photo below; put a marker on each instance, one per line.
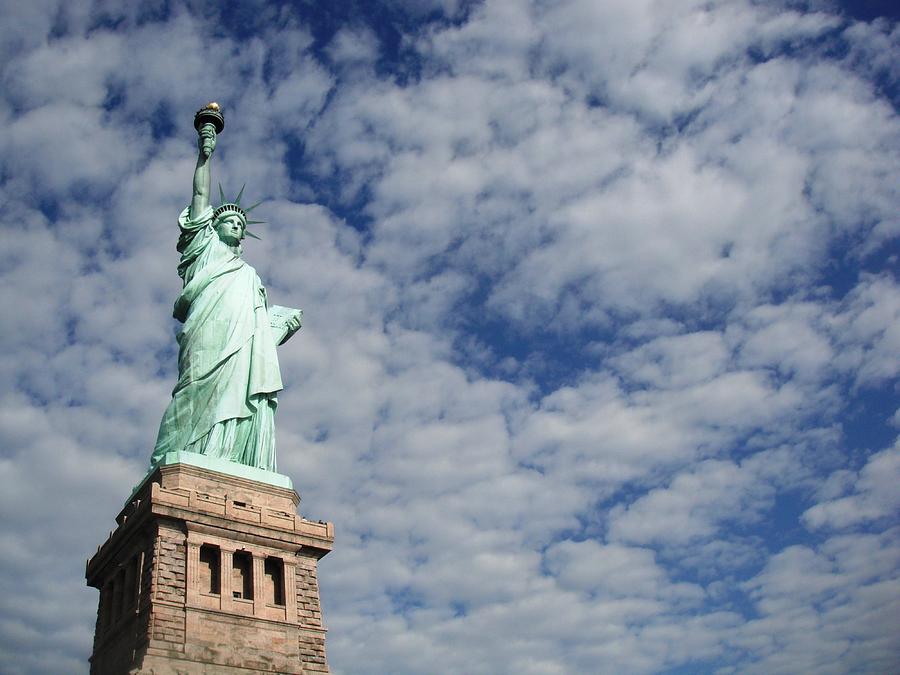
(237, 200)
(221, 194)
(250, 208)
(247, 233)
(255, 222)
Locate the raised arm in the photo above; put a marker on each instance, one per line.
(206, 143)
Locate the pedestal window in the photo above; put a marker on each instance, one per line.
(118, 595)
(209, 572)
(242, 575)
(274, 581)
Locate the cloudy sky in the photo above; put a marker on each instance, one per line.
(602, 317)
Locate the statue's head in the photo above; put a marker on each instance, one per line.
(230, 219)
(230, 222)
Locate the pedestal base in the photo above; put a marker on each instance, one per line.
(209, 572)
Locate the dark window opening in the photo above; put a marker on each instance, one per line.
(209, 569)
(118, 593)
(274, 569)
(242, 575)
(131, 573)
(106, 606)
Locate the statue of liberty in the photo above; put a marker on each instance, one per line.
(224, 403)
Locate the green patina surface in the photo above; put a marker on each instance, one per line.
(223, 405)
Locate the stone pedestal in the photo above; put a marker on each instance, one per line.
(209, 573)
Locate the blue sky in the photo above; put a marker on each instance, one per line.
(601, 343)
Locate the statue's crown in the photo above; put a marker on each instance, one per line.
(235, 207)
(230, 207)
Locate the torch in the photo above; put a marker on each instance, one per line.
(209, 114)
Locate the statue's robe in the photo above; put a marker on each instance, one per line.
(228, 375)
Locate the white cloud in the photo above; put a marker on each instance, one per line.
(349, 47)
(789, 338)
(676, 361)
(868, 330)
(696, 504)
(870, 495)
(615, 571)
(658, 58)
(828, 611)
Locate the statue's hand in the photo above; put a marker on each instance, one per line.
(284, 321)
(207, 140)
(293, 324)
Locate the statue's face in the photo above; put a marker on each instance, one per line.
(230, 228)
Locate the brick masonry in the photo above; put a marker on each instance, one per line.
(251, 605)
